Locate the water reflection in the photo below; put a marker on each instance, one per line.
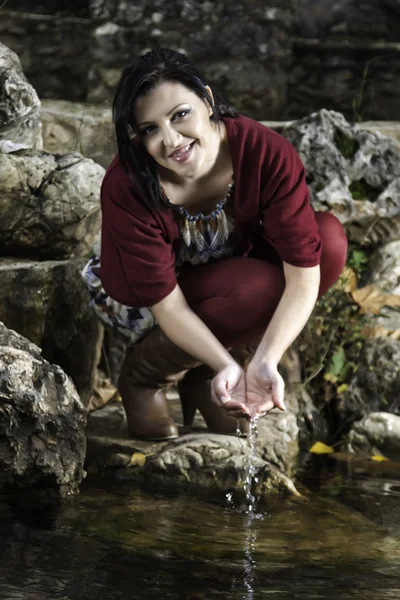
(118, 543)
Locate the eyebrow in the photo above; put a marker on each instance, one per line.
(168, 114)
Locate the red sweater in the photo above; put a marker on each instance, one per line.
(270, 197)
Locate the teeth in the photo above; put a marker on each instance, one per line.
(182, 151)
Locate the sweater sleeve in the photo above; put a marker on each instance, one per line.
(137, 262)
(288, 219)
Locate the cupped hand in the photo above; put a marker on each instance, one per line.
(264, 389)
(228, 388)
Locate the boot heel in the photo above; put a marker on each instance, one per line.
(188, 411)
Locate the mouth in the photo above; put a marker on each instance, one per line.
(182, 154)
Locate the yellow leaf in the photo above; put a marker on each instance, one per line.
(347, 282)
(371, 299)
(320, 448)
(330, 377)
(342, 388)
(379, 458)
(138, 459)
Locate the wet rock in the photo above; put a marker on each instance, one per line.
(378, 433)
(353, 173)
(47, 302)
(376, 384)
(50, 204)
(42, 421)
(197, 457)
(19, 103)
(85, 128)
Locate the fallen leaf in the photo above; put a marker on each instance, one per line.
(347, 281)
(371, 299)
(379, 458)
(380, 331)
(102, 394)
(321, 448)
(138, 459)
(342, 388)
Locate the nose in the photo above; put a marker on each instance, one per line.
(171, 137)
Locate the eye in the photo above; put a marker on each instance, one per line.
(182, 113)
(148, 130)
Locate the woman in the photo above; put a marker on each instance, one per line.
(208, 242)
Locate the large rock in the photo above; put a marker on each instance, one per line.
(376, 384)
(42, 421)
(19, 103)
(378, 433)
(384, 267)
(357, 19)
(353, 173)
(47, 302)
(53, 45)
(72, 126)
(244, 53)
(197, 458)
(346, 57)
(50, 204)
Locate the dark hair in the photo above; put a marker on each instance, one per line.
(143, 75)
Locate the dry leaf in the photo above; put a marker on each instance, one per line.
(138, 459)
(371, 299)
(320, 448)
(347, 281)
(379, 458)
(380, 331)
(102, 395)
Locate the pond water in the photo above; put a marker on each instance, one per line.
(112, 542)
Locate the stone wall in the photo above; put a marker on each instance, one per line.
(346, 57)
(273, 60)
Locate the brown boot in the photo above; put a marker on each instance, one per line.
(150, 365)
(195, 393)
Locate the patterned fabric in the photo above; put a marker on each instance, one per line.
(202, 238)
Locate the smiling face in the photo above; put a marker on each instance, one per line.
(175, 128)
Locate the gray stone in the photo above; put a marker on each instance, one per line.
(76, 127)
(353, 173)
(54, 49)
(384, 267)
(47, 302)
(19, 103)
(356, 19)
(376, 383)
(378, 433)
(42, 421)
(197, 457)
(243, 53)
(50, 204)
(346, 57)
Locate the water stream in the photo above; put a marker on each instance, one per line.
(340, 540)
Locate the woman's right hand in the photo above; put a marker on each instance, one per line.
(228, 388)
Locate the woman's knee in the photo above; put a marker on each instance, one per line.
(334, 249)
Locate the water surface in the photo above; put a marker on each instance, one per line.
(342, 540)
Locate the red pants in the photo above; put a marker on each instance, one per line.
(237, 297)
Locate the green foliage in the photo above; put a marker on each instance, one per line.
(339, 368)
(331, 342)
(361, 190)
(357, 260)
(346, 144)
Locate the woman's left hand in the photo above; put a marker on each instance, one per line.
(264, 389)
